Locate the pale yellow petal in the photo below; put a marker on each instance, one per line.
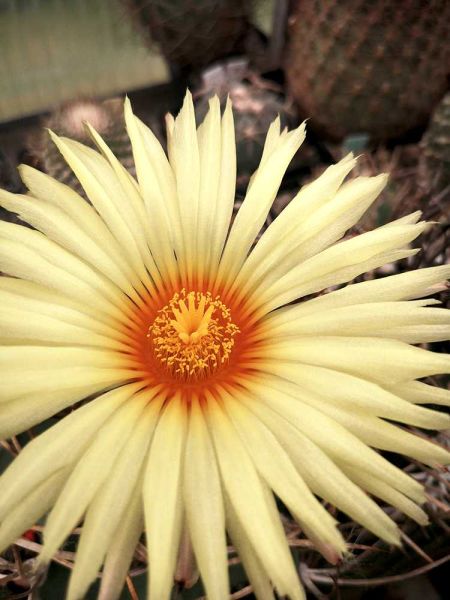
(312, 235)
(59, 227)
(56, 299)
(38, 328)
(99, 183)
(53, 357)
(57, 447)
(380, 319)
(51, 191)
(26, 513)
(276, 468)
(256, 204)
(422, 393)
(121, 549)
(246, 494)
(353, 394)
(272, 139)
(385, 436)
(323, 476)
(304, 205)
(35, 308)
(13, 385)
(162, 497)
(29, 254)
(88, 476)
(33, 408)
(375, 359)
(185, 162)
(405, 286)
(338, 264)
(380, 489)
(108, 507)
(157, 187)
(204, 507)
(227, 188)
(210, 151)
(261, 585)
(341, 445)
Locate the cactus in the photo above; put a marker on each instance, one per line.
(106, 117)
(436, 148)
(192, 32)
(368, 67)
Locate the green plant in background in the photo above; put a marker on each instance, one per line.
(368, 67)
(192, 32)
(436, 149)
(70, 121)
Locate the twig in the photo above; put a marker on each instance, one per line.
(131, 588)
(415, 547)
(326, 579)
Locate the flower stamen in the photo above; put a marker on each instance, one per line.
(192, 335)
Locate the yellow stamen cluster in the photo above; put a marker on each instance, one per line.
(193, 334)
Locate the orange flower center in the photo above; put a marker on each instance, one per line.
(191, 341)
(192, 335)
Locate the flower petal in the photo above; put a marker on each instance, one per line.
(342, 446)
(204, 506)
(375, 359)
(312, 235)
(246, 494)
(338, 264)
(89, 474)
(107, 509)
(323, 477)
(162, 497)
(31, 508)
(256, 205)
(122, 546)
(276, 468)
(57, 447)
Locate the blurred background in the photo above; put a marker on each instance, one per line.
(371, 76)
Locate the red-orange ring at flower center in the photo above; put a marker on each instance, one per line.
(190, 341)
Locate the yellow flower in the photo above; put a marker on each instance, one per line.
(214, 392)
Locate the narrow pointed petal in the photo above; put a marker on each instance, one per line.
(404, 286)
(162, 498)
(333, 438)
(262, 588)
(316, 233)
(57, 447)
(276, 468)
(322, 475)
(227, 188)
(388, 494)
(255, 207)
(338, 264)
(355, 394)
(108, 507)
(25, 514)
(121, 549)
(245, 492)
(88, 476)
(363, 357)
(204, 507)
(422, 393)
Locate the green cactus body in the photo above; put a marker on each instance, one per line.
(436, 148)
(192, 32)
(106, 117)
(375, 67)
